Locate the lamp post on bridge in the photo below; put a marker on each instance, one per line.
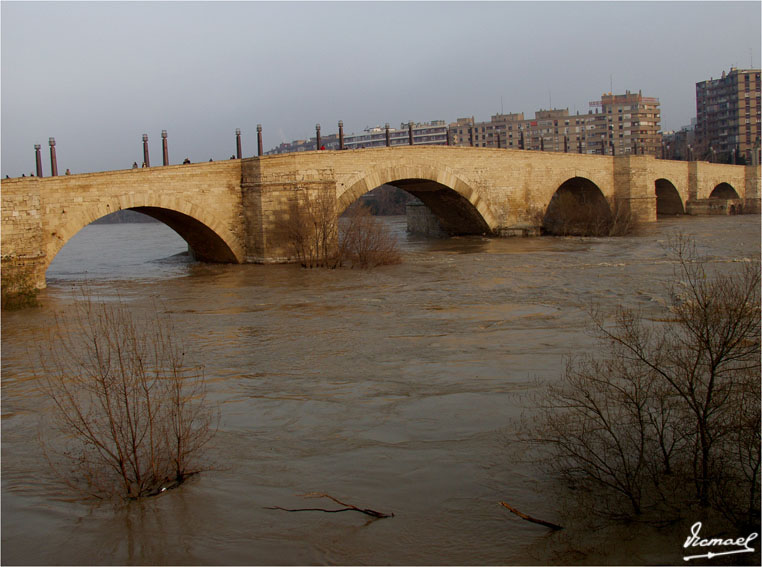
(238, 143)
(146, 161)
(164, 148)
(388, 139)
(53, 160)
(259, 139)
(410, 132)
(38, 159)
(341, 134)
(317, 136)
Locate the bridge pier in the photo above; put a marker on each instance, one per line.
(23, 259)
(274, 199)
(634, 189)
(753, 190)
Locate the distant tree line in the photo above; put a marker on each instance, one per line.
(124, 216)
(387, 200)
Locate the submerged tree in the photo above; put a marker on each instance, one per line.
(365, 241)
(320, 238)
(313, 228)
(131, 410)
(669, 413)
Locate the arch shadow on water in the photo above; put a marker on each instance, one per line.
(724, 191)
(456, 215)
(457, 206)
(668, 201)
(577, 208)
(203, 243)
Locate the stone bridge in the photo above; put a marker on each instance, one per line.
(238, 211)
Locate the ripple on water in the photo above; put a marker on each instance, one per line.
(393, 389)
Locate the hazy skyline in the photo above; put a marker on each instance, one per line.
(97, 75)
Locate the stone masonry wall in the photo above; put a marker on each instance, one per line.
(50, 211)
(244, 205)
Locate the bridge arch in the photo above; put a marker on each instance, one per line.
(578, 207)
(668, 200)
(460, 208)
(724, 191)
(207, 238)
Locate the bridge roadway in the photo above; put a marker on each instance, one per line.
(238, 210)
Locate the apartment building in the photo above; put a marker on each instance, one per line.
(615, 125)
(429, 133)
(680, 145)
(631, 123)
(728, 117)
(330, 142)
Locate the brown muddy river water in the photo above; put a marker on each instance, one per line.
(393, 389)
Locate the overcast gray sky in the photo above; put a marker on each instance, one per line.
(97, 75)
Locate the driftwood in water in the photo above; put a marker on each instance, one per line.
(528, 518)
(347, 507)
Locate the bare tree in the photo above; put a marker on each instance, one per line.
(669, 404)
(319, 239)
(131, 410)
(365, 241)
(313, 229)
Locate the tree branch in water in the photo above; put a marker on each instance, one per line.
(528, 518)
(347, 507)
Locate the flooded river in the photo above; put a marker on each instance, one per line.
(393, 389)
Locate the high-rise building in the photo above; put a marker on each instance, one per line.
(728, 117)
(632, 123)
